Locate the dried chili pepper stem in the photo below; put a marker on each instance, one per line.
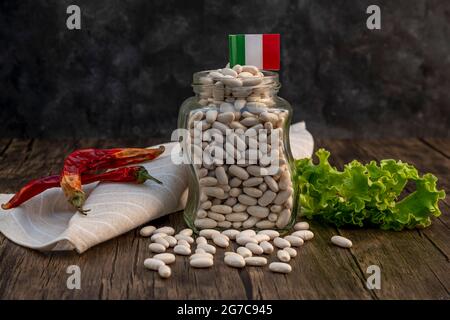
(88, 160)
(136, 174)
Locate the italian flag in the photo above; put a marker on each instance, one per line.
(259, 50)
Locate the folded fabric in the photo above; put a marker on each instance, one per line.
(47, 222)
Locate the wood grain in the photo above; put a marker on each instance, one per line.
(389, 248)
(414, 264)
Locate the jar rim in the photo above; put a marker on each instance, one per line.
(271, 79)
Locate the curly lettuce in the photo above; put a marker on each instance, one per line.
(369, 194)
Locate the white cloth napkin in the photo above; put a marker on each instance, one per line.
(47, 222)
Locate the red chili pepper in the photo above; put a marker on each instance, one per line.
(91, 160)
(136, 174)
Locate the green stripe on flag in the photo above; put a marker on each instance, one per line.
(236, 46)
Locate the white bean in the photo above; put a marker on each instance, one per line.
(147, 231)
(232, 82)
(265, 224)
(253, 192)
(254, 248)
(224, 224)
(301, 226)
(267, 247)
(238, 172)
(244, 252)
(283, 218)
(235, 192)
(213, 192)
(239, 104)
(341, 241)
(229, 72)
(237, 217)
(221, 175)
(248, 233)
(226, 107)
(271, 183)
(201, 262)
(167, 258)
(231, 233)
(255, 261)
(276, 208)
(244, 240)
(167, 230)
(292, 252)
(201, 214)
(205, 223)
(183, 242)
(225, 117)
(186, 232)
(283, 196)
(211, 116)
(283, 256)
(253, 181)
(250, 222)
(216, 216)
(237, 225)
(201, 239)
(280, 267)
(164, 271)
(239, 207)
(162, 241)
(222, 209)
(281, 243)
(221, 240)
(304, 234)
(182, 250)
(234, 260)
(237, 68)
(207, 247)
(267, 198)
(207, 182)
(157, 235)
(201, 255)
(208, 233)
(247, 200)
(171, 240)
(258, 211)
(153, 264)
(189, 239)
(249, 121)
(261, 237)
(271, 233)
(156, 247)
(251, 69)
(235, 182)
(294, 241)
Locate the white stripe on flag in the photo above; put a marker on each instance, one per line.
(253, 50)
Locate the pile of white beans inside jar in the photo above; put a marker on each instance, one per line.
(237, 144)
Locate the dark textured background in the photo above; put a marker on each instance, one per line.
(126, 72)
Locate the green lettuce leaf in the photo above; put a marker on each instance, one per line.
(362, 195)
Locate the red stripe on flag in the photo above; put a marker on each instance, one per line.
(271, 51)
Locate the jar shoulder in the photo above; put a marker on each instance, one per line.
(282, 103)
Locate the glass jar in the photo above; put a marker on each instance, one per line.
(238, 179)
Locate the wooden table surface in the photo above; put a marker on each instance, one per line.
(414, 264)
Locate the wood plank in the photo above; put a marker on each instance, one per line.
(111, 270)
(397, 253)
(114, 269)
(441, 145)
(320, 271)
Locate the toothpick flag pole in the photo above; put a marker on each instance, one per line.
(260, 50)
